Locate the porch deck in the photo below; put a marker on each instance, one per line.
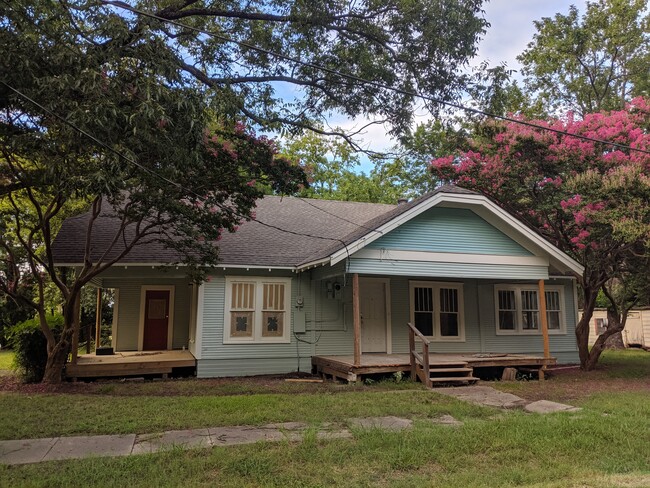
(372, 363)
(133, 363)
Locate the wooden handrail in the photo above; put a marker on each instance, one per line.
(421, 360)
(419, 334)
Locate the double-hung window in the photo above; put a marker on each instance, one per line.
(518, 309)
(437, 310)
(257, 310)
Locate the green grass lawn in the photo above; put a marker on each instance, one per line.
(6, 361)
(606, 444)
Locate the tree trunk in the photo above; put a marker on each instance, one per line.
(615, 341)
(582, 327)
(58, 353)
(615, 326)
(55, 362)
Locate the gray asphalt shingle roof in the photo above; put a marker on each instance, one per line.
(298, 231)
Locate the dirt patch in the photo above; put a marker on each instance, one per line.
(566, 385)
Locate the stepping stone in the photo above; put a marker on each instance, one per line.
(546, 406)
(187, 439)
(484, 395)
(229, 436)
(91, 446)
(446, 420)
(25, 451)
(386, 423)
(287, 426)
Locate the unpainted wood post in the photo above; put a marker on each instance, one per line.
(356, 312)
(76, 318)
(425, 363)
(544, 323)
(411, 351)
(98, 319)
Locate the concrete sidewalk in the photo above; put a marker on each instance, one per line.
(51, 449)
(27, 451)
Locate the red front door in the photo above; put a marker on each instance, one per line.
(156, 320)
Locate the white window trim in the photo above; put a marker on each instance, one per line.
(170, 319)
(257, 324)
(435, 286)
(519, 330)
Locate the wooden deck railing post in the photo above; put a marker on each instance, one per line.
(411, 351)
(98, 320)
(356, 312)
(425, 363)
(544, 322)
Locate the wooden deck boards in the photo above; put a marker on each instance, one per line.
(343, 366)
(129, 364)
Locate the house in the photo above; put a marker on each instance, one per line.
(637, 327)
(334, 284)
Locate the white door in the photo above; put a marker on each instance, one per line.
(372, 298)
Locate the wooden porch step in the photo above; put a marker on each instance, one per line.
(447, 364)
(451, 370)
(454, 379)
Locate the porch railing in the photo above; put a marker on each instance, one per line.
(419, 360)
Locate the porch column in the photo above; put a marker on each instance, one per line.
(543, 320)
(76, 319)
(98, 319)
(356, 313)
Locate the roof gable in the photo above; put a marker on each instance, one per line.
(450, 230)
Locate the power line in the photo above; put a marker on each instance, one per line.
(156, 174)
(376, 84)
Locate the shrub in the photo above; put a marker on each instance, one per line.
(30, 346)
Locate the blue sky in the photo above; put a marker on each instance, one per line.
(511, 30)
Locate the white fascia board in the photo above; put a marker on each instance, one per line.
(449, 257)
(168, 265)
(480, 201)
(313, 264)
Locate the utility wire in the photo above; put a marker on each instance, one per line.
(376, 84)
(156, 174)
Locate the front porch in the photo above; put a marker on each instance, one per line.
(344, 366)
(134, 363)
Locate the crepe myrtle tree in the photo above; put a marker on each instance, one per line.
(588, 198)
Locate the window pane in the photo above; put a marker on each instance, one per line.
(448, 300)
(506, 319)
(272, 324)
(423, 300)
(448, 324)
(530, 320)
(273, 296)
(449, 315)
(424, 322)
(241, 324)
(530, 310)
(243, 296)
(553, 320)
(507, 310)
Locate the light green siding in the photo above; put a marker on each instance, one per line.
(454, 230)
(128, 312)
(439, 269)
(330, 330)
(562, 345)
(219, 359)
